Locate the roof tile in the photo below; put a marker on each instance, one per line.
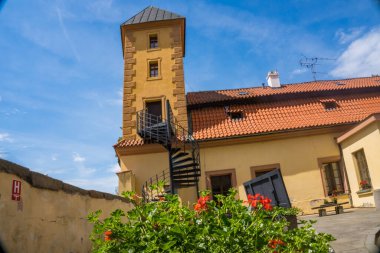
(202, 97)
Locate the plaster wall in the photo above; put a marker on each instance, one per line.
(139, 87)
(298, 159)
(49, 220)
(367, 139)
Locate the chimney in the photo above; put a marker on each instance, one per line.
(273, 79)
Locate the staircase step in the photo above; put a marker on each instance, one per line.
(174, 150)
(186, 176)
(178, 167)
(186, 185)
(186, 171)
(178, 162)
(185, 181)
(179, 155)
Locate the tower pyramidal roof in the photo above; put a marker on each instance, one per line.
(151, 14)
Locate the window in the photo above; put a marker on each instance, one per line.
(153, 41)
(154, 108)
(220, 184)
(220, 181)
(236, 115)
(332, 178)
(153, 69)
(362, 167)
(260, 173)
(260, 170)
(329, 105)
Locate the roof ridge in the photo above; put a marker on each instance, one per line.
(299, 83)
(167, 15)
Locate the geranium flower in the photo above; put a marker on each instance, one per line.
(107, 235)
(202, 203)
(254, 200)
(274, 243)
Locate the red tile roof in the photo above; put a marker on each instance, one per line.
(282, 113)
(129, 143)
(214, 122)
(194, 98)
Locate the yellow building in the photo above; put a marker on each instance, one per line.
(361, 153)
(220, 139)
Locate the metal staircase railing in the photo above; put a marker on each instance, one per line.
(183, 150)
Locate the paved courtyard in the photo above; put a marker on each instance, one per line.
(354, 230)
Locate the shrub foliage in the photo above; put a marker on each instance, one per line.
(222, 225)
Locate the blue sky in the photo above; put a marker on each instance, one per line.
(61, 67)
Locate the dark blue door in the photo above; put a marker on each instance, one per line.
(270, 185)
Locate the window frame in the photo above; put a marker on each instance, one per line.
(224, 172)
(149, 35)
(264, 168)
(151, 61)
(332, 159)
(358, 169)
(156, 99)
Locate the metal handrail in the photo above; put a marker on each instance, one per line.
(150, 127)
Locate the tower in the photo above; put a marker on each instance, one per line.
(153, 44)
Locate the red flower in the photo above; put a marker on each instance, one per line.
(274, 243)
(107, 235)
(162, 198)
(254, 200)
(202, 203)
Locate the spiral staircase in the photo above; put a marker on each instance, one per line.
(184, 160)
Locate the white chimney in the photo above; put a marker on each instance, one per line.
(273, 79)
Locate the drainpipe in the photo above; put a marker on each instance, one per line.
(345, 172)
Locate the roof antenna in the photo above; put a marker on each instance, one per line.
(310, 63)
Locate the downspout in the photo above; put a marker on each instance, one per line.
(345, 173)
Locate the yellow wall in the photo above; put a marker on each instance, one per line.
(297, 157)
(138, 86)
(369, 140)
(146, 88)
(46, 220)
(143, 167)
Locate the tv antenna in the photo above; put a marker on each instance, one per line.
(311, 63)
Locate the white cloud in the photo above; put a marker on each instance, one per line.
(54, 157)
(299, 71)
(114, 168)
(361, 58)
(5, 137)
(78, 158)
(348, 35)
(67, 36)
(106, 184)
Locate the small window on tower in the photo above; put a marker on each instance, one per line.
(153, 41)
(153, 69)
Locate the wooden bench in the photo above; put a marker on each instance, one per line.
(322, 208)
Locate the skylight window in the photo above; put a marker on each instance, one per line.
(330, 105)
(238, 115)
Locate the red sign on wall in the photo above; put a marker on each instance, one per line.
(16, 190)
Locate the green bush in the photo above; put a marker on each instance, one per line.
(224, 225)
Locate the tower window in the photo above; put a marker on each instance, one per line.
(153, 69)
(153, 41)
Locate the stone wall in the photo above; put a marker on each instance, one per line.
(50, 215)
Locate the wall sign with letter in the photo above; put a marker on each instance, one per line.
(16, 190)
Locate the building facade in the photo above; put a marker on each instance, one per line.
(220, 139)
